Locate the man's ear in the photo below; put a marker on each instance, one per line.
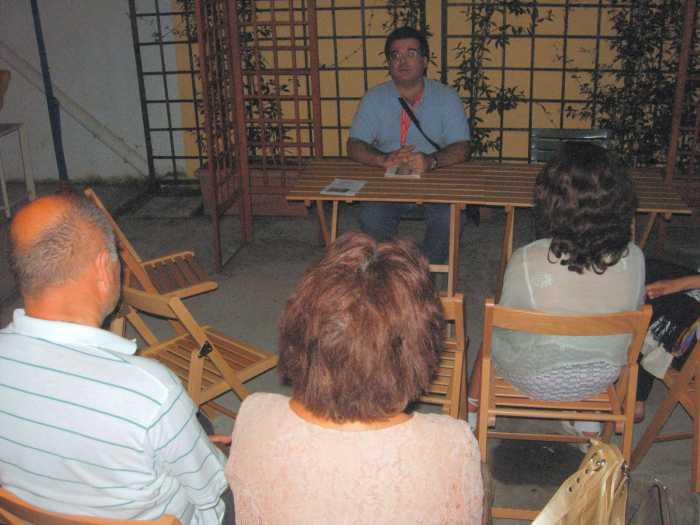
(104, 268)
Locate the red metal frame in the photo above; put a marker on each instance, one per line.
(689, 20)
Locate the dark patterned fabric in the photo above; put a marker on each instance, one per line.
(675, 321)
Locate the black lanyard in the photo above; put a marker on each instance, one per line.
(407, 108)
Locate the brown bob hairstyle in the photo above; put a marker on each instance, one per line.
(585, 202)
(359, 338)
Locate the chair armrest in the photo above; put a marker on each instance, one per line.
(168, 257)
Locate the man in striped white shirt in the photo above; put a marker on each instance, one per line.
(86, 427)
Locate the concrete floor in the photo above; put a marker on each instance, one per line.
(256, 282)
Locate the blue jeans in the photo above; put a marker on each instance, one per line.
(381, 221)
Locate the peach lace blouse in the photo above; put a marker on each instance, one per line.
(285, 470)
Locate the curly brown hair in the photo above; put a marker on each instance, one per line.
(359, 338)
(585, 202)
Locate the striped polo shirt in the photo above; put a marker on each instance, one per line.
(88, 428)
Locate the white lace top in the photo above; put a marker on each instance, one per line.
(285, 470)
(532, 282)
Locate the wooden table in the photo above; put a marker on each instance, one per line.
(479, 183)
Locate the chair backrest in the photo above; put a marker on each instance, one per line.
(545, 142)
(124, 244)
(128, 254)
(633, 322)
(16, 511)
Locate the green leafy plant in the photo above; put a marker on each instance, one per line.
(633, 94)
(490, 29)
(405, 13)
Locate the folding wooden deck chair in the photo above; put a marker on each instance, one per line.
(208, 362)
(449, 385)
(16, 511)
(682, 388)
(613, 406)
(178, 274)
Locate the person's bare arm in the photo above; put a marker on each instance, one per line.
(360, 151)
(669, 286)
(452, 154)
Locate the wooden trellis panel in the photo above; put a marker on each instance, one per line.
(281, 95)
(225, 178)
(261, 102)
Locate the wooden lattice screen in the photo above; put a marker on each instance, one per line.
(261, 102)
(225, 178)
(281, 91)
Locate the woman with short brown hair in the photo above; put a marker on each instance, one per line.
(359, 341)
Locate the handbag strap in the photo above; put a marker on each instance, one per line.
(407, 108)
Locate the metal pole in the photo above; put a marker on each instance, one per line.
(152, 182)
(51, 102)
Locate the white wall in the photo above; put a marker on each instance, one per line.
(90, 53)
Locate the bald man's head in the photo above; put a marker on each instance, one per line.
(53, 239)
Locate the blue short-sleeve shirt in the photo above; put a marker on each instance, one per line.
(440, 113)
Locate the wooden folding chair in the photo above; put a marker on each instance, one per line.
(16, 511)
(207, 361)
(682, 388)
(501, 399)
(449, 385)
(178, 274)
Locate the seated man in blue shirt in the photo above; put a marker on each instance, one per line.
(383, 135)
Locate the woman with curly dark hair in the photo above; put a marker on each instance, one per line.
(582, 263)
(358, 341)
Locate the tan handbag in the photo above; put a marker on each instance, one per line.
(596, 494)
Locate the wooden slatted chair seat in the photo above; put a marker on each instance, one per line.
(448, 387)
(683, 389)
(246, 361)
(16, 511)
(178, 274)
(208, 362)
(614, 406)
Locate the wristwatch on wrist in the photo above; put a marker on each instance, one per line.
(433, 162)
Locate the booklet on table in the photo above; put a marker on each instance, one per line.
(401, 172)
(343, 187)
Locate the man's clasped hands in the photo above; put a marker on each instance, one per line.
(407, 158)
